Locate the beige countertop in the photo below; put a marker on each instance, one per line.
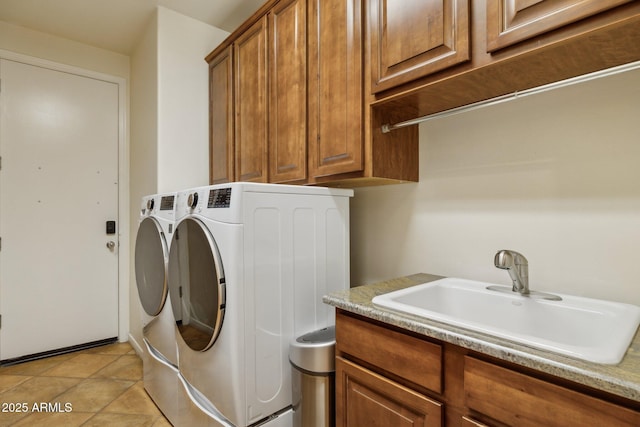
(622, 379)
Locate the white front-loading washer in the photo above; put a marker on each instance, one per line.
(160, 358)
(248, 266)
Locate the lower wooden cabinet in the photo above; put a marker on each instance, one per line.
(470, 422)
(365, 399)
(380, 381)
(517, 399)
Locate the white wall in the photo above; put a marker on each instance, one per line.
(555, 176)
(169, 113)
(183, 100)
(45, 46)
(144, 151)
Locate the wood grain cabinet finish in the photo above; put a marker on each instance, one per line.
(512, 21)
(298, 102)
(364, 398)
(335, 87)
(251, 103)
(519, 400)
(221, 147)
(470, 422)
(400, 355)
(288, 91)
(388, 377)
(414, 38)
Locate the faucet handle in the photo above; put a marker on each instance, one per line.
(506, 259)
(517, 266)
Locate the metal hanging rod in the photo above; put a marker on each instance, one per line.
(386, 128)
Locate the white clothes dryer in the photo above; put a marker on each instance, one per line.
(248, 266)
(160, 360)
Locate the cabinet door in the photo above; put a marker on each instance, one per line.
(470, 422)
(250, 55)
(335, 87)
(221, 119)
(512, 21)
(519, 400)
(413, 38)
(288, 91)
(364, 398)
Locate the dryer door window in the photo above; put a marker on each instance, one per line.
(196, 284)
(151, 266)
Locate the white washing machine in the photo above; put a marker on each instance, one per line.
(248, 266)
(160, 360)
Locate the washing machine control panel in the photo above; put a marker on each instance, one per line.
(219, 198)
(166, 203)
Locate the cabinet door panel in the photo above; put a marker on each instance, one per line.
(335, 87)
(512, 21)
(251, 103)
(221, 119)
(413, 38)
(401, 355)
(517, 399)
(288, 91)
(367, 399)
(469, 422)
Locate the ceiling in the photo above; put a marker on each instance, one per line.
(116, 25)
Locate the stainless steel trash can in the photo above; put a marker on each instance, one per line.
(312, 357)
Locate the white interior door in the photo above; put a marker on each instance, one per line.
(58, 187)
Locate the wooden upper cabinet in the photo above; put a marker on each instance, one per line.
(221, 166)
(335, 87)
(251, 104)
(413, 38)
(288, 91)
(512, 21)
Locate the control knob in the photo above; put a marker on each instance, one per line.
(192, 200)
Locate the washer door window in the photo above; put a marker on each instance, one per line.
(196, 284)
(151, 266)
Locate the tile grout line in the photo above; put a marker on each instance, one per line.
(120, 365)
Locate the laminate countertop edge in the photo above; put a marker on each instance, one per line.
(621, 380)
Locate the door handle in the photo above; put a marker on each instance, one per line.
(111, 245)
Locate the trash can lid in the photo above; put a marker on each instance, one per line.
(314, 351)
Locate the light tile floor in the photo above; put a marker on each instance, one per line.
(98, 387)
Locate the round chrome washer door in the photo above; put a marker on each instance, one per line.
(196, 284)
(151, 266)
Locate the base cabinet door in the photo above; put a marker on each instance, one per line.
(364, 398)
(516, 399)
(470, 422)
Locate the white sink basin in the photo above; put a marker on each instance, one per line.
(589, 329)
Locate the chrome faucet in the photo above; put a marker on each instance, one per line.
(517, 266)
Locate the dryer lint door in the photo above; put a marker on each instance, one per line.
(196, 284)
